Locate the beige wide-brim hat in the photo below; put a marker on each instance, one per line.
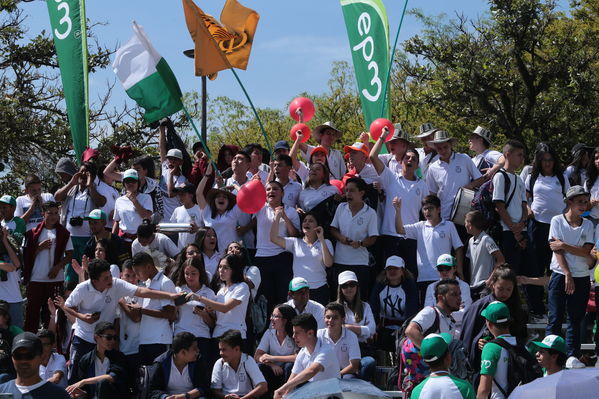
(321, 128)
(425, 130)
(484, 133)
(399, 134)
(441, 136)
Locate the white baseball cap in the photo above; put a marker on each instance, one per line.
(130, 174)
(395, 261)
(347, 276)
(297, 284)
(174, 153)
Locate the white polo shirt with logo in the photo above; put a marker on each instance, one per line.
(156, 330)
(356, 227)
(347, 347)
(240, 381)
(324, 355)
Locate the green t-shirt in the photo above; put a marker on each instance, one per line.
(17, 228)
(443, 387)
(494, 362)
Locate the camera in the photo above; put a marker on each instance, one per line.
(76, 221)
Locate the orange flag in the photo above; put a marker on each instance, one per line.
(219, 47)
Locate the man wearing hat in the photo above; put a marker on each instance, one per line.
(27, 357)
(171, 175)
(450, 172)
(14, 224)
(427, 153)
(486, 160)
(551, 354)
(440, 384)
(281, 148)
(396, 147)
(357, 154)
(494, 358)
(65, 169)
(117, 251)
(326, 135)
(299, 291)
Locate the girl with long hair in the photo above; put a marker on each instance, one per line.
(207, 242)
(317, 187)
(358, 314)
(591, 185)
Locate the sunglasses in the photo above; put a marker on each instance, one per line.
(349, 285)
(444, 268)
(23, 356)
(109, 337)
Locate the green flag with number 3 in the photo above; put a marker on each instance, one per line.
(69, 28)
(368, 33)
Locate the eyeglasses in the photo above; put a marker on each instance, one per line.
(349, 285)
(23, 356)
(109, 337)
(444, 268)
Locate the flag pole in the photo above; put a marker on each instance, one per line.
(204, 110)
(195, 129)
(386, 86)
(253, 109)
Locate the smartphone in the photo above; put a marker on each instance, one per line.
(181, 299)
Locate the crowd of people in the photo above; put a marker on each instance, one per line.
(159, 285)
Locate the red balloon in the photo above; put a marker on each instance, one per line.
(376, 128)
(339, 184)
(305, 132)
(305, 104)
(251, 197)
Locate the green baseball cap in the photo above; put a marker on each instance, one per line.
(552, 342)
(446, 260)
(496, 312)
(97, 214)
(434, 346)
(297, 284)
(130, 174)
(8, 199)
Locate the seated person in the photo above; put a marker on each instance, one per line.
(299, 291)
(551, 354)
(101, 373)
(440, 384)
(181, 371)
(54, 365)
(148, 240)
(236, 374)
(27, 357)
(8, 331)
(315, 361)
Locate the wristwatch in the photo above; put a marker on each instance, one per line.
(187, 395)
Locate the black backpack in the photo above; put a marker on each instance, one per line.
(522, 366)
(483, 202)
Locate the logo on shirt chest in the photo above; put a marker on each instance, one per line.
(344, 348)
(242, 377)
(418, 192)
(441, 234)
(360, 221)
(458, 169)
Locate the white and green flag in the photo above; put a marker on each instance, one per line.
(368, 33)
(146, 77)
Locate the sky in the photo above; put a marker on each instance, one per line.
(294, 47)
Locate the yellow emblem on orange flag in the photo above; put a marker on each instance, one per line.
(219, 47)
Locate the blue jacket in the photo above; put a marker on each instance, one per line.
(46, 391)
(117, 370)
(199, 374)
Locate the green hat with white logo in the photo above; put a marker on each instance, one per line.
(496, 312)
(97, 214)
(446, 260)
(434, 346)
(552, 342)
(8, 199)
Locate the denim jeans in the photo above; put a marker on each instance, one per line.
(513, 253)
(539, 262)
(367, 369)
(574, 304)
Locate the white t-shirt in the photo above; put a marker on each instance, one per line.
(56, 363)
(128, 329)
(89, 300)
(270, 344)
(178, 381)
(161, 243)
(307, 260)
(234, 318)
(445, 179)
(358, 227)
(154, 330)
(291, 193)
(264, 220)
(211, 263)
(432, 242)
(334, 159)
(347, 347)
(425, 160)
(430, 300)
(310, 197)
(101, 366)
(312, 307)
(111, 194)
(569, 172)
(23, 205)
(548, 197)
(187, 320)
(9, 289)
(392, 163)
(594, 213)
(426, 319)
(253, 273)
(184, 215)
(480, 250)
(411, 192)
(262, 173)
(368, 174)
(125, 213)
(239, 382)
(488, 156)
(225, 225)
(170, 203)
(576, 236)
(44, 260)
(367, 324)
(514, 209)
(324, 355)
(80, 204)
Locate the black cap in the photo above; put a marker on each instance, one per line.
(29, 341)
(198, 145)
(281, 145)
(187, 188)
(580, 147)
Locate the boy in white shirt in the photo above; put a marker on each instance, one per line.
(316, 360)
(148, 240)
(486, 160)
(299, 291)
(235, 374)
(511, 207)
(326, 135)
(29, 206)
(188, 212)
(172, 174)
(54, 366)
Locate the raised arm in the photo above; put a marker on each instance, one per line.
(399, 227)
(200, 198)
(294, 150)
(110, 171)
(162, 142)
(274, 229)
(375, 151)
(61, 193)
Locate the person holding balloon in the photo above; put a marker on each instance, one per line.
(317, 154)
(220, 212)
(326, 135)
(398, 142)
